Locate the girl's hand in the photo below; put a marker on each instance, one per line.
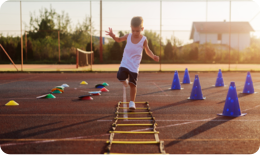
(110, 33)
(156, 58)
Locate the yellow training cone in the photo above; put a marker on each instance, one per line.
(83, 82)
(11, 103)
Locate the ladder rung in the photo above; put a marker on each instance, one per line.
(135, 132)
(135, 124)
(135, 102)
(134, 118)
(136, 108)
(134, 142)
(135, 154)
(133, 112)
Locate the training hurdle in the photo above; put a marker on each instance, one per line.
(152, 124)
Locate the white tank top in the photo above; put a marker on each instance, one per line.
(132, 54)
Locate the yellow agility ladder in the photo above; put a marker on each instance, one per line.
(153, 124)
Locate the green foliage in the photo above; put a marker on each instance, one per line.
(42, 44)
(94, 49)
(123, 43)
(175, 41)
(252, 53)
(154, 38)
(29, 50)
(12, 46)
(116, 53)
(183, 53)
(194, 53)
(175, 51)
(145, 56)
(43, 36)
(209, 51)
(168, 52)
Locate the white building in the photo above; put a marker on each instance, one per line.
(218, 33)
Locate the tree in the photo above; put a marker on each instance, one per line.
(17, 55)
(44, 29)
(123, 44)
(115, 53)
(175, 51)
(209, 52)
(168, 51)
(155, 38)
(145, 56)
(82, 34)
(194, 53)
(42, 25)
(175, 41)
(10, 49)
(29, 50)
(95, 51)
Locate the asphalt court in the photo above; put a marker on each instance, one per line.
(68, 125)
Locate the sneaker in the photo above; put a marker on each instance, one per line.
(126, 83)
(132, 105)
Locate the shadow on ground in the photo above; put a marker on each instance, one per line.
(20, 133)
(207, 126)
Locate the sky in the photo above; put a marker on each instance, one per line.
(177, 17)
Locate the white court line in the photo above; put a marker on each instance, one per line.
(178, 124)
(71, 97)
(186, 120)
(160, 89)
(171, 125)
(251, 108)
(12, 144)
(48, 141)
(35, 142)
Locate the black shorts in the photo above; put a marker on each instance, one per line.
(124, 73)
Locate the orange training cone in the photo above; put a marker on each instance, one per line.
(54, 89)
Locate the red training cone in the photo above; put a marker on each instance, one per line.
(104, 90)
(86, 97)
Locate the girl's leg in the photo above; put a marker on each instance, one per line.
(125, 83)
(133, 91)
(122, 76)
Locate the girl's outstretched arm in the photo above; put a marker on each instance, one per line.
(149, 52)
(117, 39)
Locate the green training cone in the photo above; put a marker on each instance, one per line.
(50, 96)
(105, 84)
(60, 87)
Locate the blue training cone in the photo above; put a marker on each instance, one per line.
(232, 107)
(186, 77)
(196, 93)
(219, 80)
(176, 85)
(249, 88)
